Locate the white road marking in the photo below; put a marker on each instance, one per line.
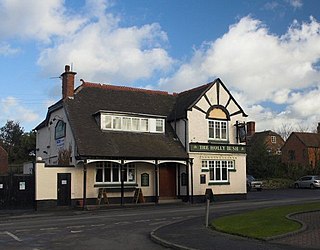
(98, 225)
(80, 226)
(160, 219)
(13, 236)
(74, 232)
(177, 218)
(49, 228)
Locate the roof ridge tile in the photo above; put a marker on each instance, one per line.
(122, 88)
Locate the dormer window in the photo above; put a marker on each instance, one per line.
(132, 124)
(60, 130)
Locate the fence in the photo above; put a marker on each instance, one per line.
(17, 191)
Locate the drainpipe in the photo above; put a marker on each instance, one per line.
(156, 182)
(84, 186)
(122, 182)
(191, 165)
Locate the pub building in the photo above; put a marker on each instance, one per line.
(118, 142)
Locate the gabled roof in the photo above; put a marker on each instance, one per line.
(261, 136)
(187, 100)
(310, 140)
(94, 142)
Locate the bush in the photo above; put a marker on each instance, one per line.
(277, 183)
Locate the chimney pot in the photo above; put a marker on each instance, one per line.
(251, 128)
(67, 68)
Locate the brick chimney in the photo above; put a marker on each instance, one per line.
(67, 82)
(251, 128)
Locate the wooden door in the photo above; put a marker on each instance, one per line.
(64, 189)
(167, 181)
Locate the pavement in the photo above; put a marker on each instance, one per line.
(192, 234)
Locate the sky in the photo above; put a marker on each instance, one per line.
(267, 53)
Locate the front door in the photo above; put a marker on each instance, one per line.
(64, 189)
(167, 181)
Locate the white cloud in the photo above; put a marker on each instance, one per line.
(256, 63)
(295, 3)
(103, 51)
(7, 50)
(36, 19)
(12, 109)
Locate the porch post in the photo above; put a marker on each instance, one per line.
(191, 165)
(179, 180)
(84, 201)
(156, 182)
(188, 181)
(122, 182)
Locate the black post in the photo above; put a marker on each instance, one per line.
(84, 186)
(156, 182)
(191, 164)
(188, 182)
(179, 180)
(122, 182)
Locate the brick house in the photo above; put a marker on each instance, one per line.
(272, 141)
(3, 161)
(302, 149)
(120, 139)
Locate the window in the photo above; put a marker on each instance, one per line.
(116, 122)
(108, 121)
(60, 130)
(218, 130)
(144, 124)
(134, 124)
(218, 169)
(273, 139)
(159, 125)
(109, 172)
(292, 155)
(126, 123)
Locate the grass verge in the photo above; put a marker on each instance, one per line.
(263, 223)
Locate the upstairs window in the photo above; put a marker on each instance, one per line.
(133, 124)
(60, 130)
(273, 139)
(218, 130)
(159, 125)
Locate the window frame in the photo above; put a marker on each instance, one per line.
(218, 170)
(118, 122)
(60, 133)
(217, 128)
(102, 166)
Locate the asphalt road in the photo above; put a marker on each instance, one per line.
(123, 228)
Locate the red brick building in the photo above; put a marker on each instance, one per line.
(302, 149)
(3, 161)
(270, 139)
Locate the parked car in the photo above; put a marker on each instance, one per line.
(308, 181)
(252, 183)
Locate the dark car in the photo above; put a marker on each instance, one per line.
(252, 183)
(308, 181)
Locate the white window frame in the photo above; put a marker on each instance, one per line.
(222, 166)
(215, 128)
(273, 139)
(132, 123)
(128, 168)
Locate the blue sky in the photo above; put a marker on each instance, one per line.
(266, 52)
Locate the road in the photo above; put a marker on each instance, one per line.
(123, 228)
